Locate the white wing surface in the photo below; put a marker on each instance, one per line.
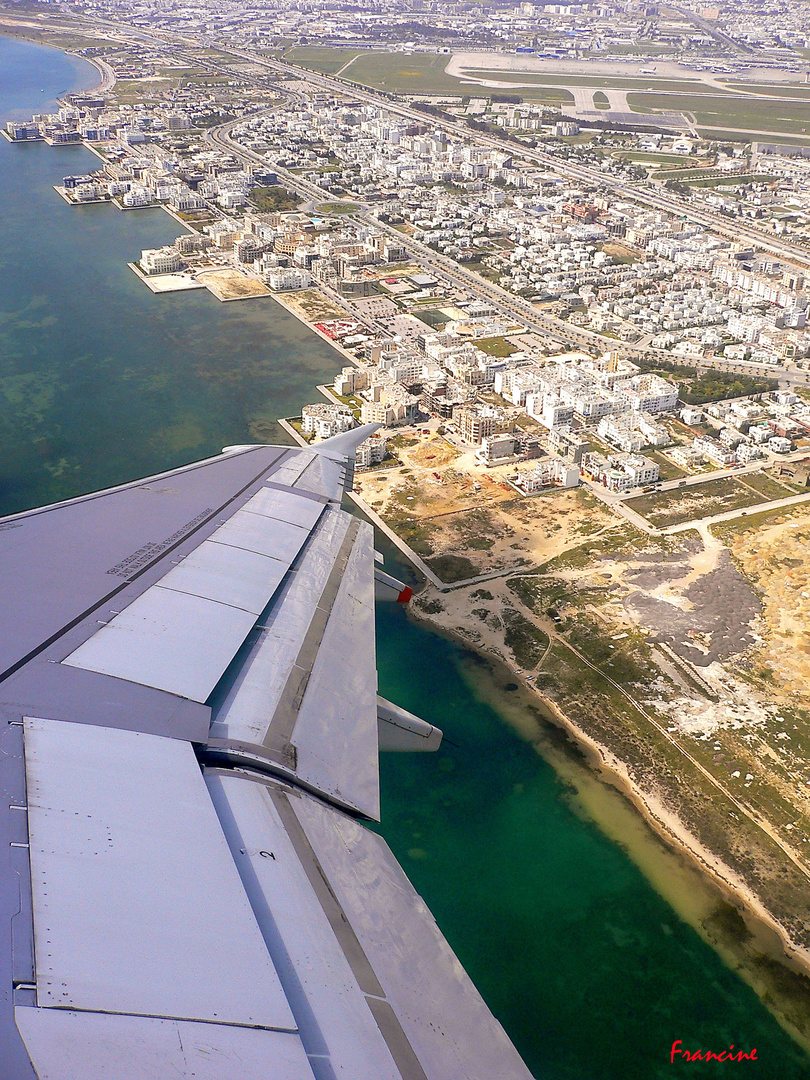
(189, 739)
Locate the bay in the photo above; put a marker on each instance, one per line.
(590, 970)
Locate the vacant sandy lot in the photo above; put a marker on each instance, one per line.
(465, 520)
(231, 285)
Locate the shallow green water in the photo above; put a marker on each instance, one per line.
(591, 972)
(99, 379)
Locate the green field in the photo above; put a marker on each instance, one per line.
(726, 136)
(495, 346)
(60, 38)
(404, 72)
(717, 181)
(423, 73)
(656, 159)
(728, 109)
(336, 208)
(782, 91)
(321, 59)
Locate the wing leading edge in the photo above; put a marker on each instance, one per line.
(189, 741)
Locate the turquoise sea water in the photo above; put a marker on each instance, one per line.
(591, 972)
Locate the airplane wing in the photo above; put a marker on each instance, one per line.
(189, 738)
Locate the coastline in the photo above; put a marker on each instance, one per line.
(107, 77)
(279, 299)
(772, 941)
(107, 74)
(612, 771)
(469, 652)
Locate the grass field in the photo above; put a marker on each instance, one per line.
(396, 72)
(141, 89)
(495, 346)
(336, 208)
(552, 95)
(668, 470)
(655, 159)
(321, 59)
(782, 91)
(718, 180)
(770, 486)
(403, 72)
(59, 38)
(752, 135)
(727, 109)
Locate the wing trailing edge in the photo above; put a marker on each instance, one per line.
(189, 741)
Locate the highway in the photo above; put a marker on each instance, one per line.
(555, 331)
(735, 230)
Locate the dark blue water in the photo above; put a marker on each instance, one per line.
(591, 972)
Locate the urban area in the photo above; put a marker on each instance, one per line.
(563, 253)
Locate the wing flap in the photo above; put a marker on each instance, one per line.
(138, 908)
(249, 705)
(323, 975)
(229, 575)
(335, 734)
(168, 640)
(183, 632)
(64, 1045)
(300, 696)
(355, 946)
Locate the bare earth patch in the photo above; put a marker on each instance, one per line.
(231, 285)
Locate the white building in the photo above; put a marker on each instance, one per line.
(641, 470)
(326, 420)
(350, 381)
(371, 452)
(136, 196)
(713, 451)
(650, 394)
(748, 452)
(288, 277)
(165, 260)
(550, 472)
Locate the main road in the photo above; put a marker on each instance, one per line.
(668, 202)
(552, 329)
